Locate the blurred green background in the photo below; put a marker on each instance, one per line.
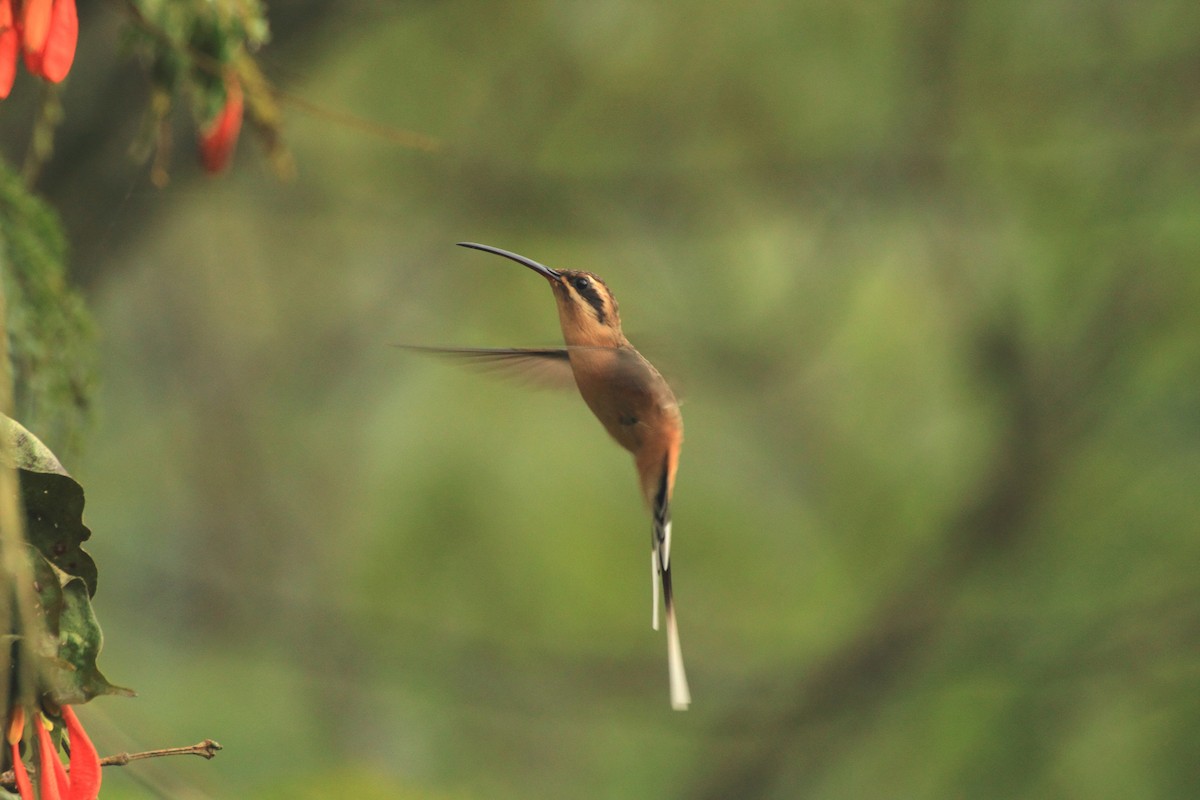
(926, 275)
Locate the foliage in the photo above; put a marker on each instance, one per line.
(205, 50)
(51, 638)
(50, 331)
(64, 574)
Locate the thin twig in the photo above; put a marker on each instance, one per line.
(400, 136)
(206, 749)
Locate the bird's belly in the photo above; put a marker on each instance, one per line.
(630, 413)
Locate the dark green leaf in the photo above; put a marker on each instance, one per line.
(53, 503)
(74, 676)
(64, 576)
(47, 585)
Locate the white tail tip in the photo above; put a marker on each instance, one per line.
(681, 697)
(653, 589)
(666, 545)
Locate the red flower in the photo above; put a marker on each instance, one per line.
(9, 44)
(51, 30)
(16, 729)
(46, 31)
(53, 783)
(35, 23)
(85, 761)
(83, 782)
(220, 135)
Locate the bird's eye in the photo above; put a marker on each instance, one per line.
(582, 283)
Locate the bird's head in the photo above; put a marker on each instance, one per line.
(587, 309)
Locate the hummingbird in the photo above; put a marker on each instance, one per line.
(627, 394)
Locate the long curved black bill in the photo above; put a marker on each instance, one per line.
(541, 269)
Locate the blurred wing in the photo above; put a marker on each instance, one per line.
(542, 366)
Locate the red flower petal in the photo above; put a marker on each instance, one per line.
(58, 55)
(24, 787)
(85, 761)
(53, 59)
(218, 139)
(35, 24)
(59, 52)
(52, 778)
(9, 44)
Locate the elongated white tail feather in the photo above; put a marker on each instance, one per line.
(666, 543)
(660, 564)
(681, 696)
(654, 589)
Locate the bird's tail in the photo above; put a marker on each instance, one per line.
(660, 564)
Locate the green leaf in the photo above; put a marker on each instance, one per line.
(47, 585)
(74, 676)
(64, 576)
(53, 503)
